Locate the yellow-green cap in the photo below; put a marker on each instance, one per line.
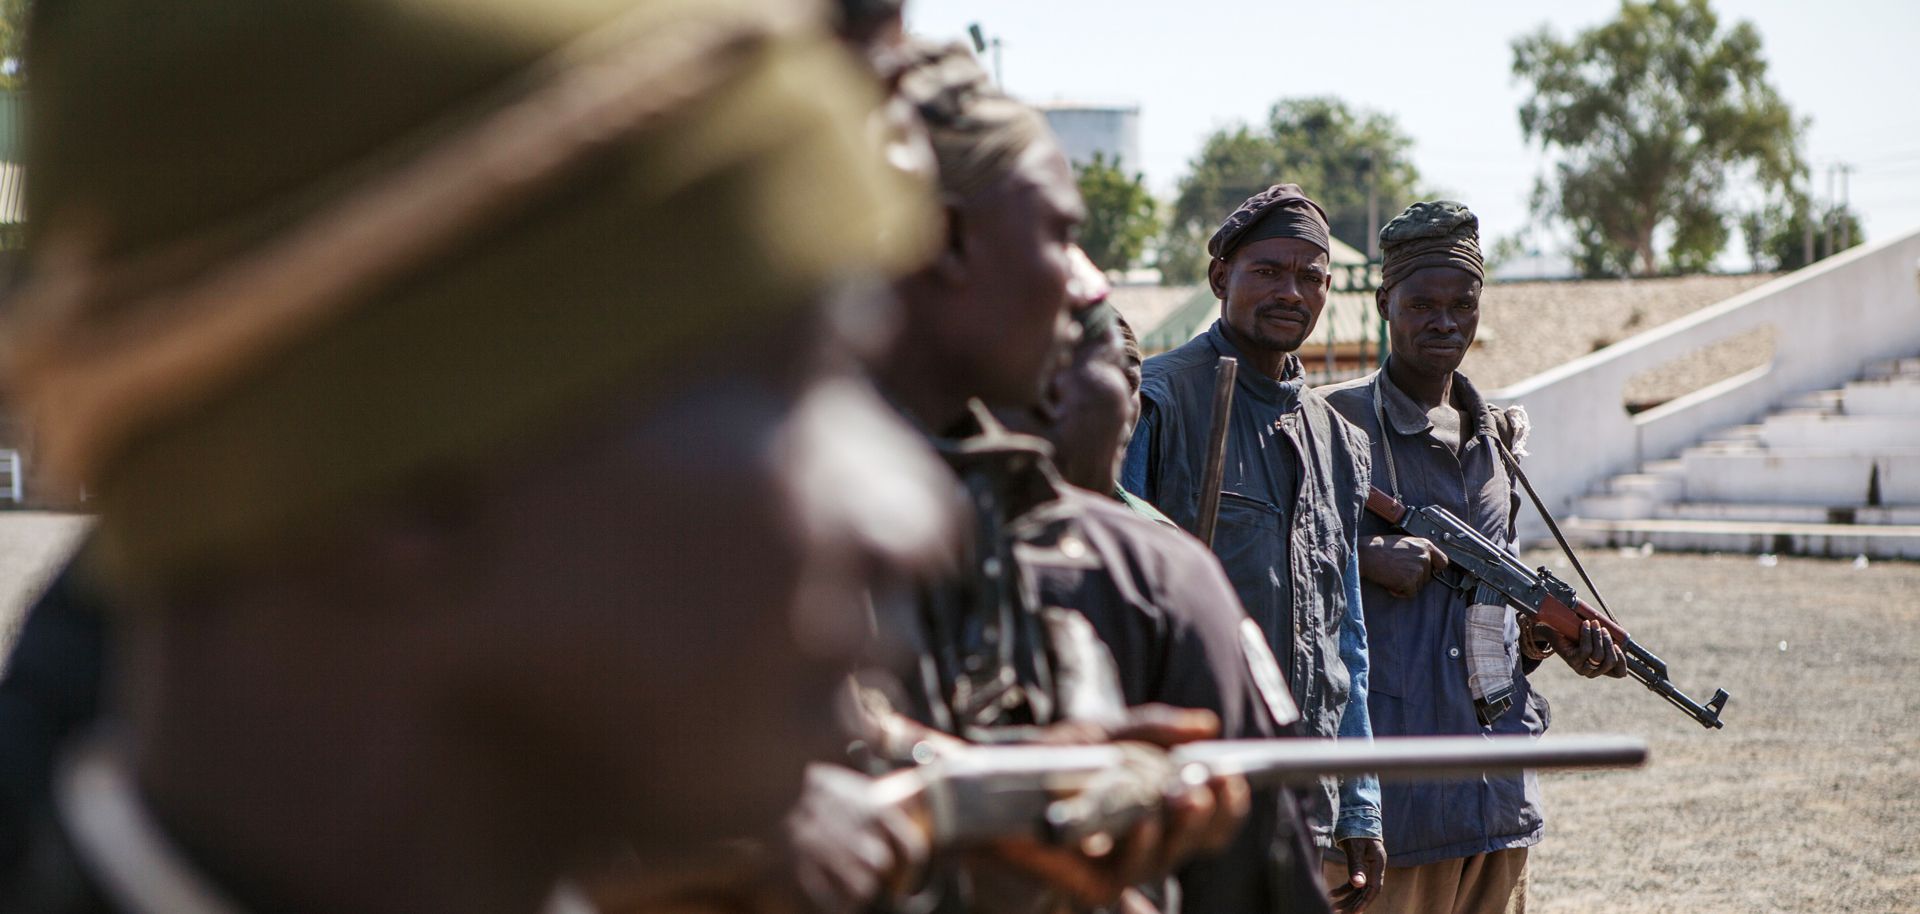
(245, 125)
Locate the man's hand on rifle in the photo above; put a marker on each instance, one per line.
(1195, 819)
(851, 845)
(1401, 564)
(1366, 872)
(1592, 654)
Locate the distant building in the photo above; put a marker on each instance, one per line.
(1113, 131)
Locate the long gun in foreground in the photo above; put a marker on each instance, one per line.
(1497, 576)
(1065, 794)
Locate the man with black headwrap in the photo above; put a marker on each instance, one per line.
(1442, 666)
(1296, 479)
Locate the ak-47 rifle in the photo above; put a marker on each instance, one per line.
(1490, 574)
(1064, 794)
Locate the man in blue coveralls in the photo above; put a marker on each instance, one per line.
(1441, 666)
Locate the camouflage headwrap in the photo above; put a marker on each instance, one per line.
(1280, 211)
(978, 132)
(854, 11)
(1130, 348)
(1098, 322)
(394, 234)
(1440, 233)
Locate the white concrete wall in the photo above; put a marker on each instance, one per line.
(1830, 319)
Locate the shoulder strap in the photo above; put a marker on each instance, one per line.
(1513, 466)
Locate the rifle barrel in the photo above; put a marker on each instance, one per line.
(1407, 758)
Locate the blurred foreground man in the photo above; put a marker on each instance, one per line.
(456, 383)
(991, 661)
(1166, 610)
(1291, 497)
(1440, 665)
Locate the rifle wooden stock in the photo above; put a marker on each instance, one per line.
(1227, 371)
(1386, 507)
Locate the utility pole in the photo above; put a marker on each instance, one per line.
(1846, 224)
(1807, 223)
(1832, 170)
(980, 45)
(1373, 253)
(1373, 208)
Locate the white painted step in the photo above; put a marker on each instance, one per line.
(1821, 400)
(1908, 367)
(1738, 434)
(1617, 506)
(1650, 486)
(1892, 397)
(1832, 540)
(1753, 512)
(1870, 433)
(1803, 476)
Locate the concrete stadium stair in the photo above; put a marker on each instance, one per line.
(1833, 473)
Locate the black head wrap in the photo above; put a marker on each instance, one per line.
(1440, 233)
(1097, 322)
(1280, 211)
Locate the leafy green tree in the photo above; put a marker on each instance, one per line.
(1653, 118)
(1121, 215)
(1328, 148)
(13, 32)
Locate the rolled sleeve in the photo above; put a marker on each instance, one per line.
(1359, 796)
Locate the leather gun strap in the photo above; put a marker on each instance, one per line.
(1513, 466)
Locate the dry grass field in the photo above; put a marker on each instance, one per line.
(1809, 800)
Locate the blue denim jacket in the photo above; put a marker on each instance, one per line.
(1295, 482)
(1359, 796)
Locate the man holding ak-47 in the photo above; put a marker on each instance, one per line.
(1443, 662)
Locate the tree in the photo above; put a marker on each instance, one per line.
(1653, 117)
(13, 33)
(1321, 144)
(1777, 234)
(1121, 215)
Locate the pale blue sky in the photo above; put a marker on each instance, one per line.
(1444, 71)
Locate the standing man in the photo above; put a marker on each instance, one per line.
(1440, 666)
(1295, 483)
(1163, 606)
(451, 538)
(985, 320)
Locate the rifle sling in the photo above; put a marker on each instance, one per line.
(1513, 466)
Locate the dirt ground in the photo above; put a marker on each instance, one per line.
(1809, 800)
